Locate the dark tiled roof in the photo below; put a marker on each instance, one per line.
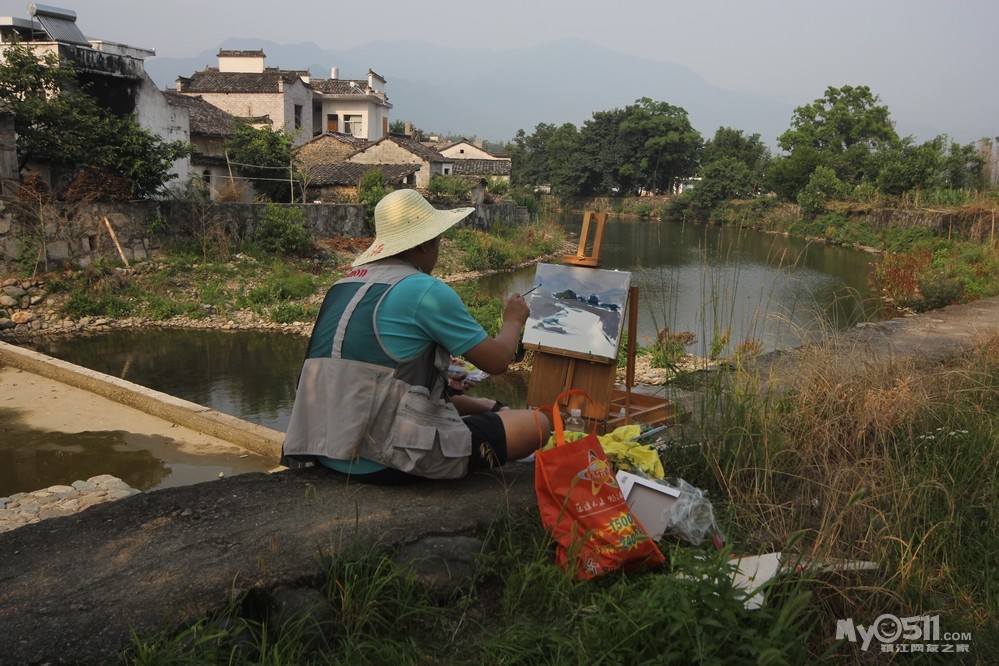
(213, 81)
(349, 139)
(482, 167)
(259, 53)
(206, 119)
(349, 173)
(413, 146)
(340, 86)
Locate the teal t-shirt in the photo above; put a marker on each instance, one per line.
(421, 310)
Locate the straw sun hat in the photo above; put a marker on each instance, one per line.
(403, 220)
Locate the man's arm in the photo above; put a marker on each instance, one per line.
(494, 355)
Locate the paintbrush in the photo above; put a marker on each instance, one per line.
(531, 289)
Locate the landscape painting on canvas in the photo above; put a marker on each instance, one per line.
(577, 309)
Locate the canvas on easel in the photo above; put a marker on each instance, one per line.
(575, 327)
(577, 311)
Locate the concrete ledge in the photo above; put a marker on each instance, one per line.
(250, 436)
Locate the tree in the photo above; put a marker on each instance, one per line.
(843, 131)
(138, 154)
(750, 151)
(530, 156)
(264, 156)
(564, 167)
(906, 166)
(604, 155)
(646, 146)
(722, 179)
(668, 147)
(964, 166)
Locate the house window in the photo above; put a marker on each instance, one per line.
(298, 116)
(447, 171)
(352, 125)
(206, 176)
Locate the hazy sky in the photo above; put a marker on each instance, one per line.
(931, 62)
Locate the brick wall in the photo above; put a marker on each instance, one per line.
(325, 150)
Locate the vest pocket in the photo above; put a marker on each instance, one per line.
(430, 437)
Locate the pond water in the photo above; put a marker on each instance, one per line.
(777, 291)
(771, 289)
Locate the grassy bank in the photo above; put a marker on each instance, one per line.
(844, 458)
(920, 270)
(267, 283)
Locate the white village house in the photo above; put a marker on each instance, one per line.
(292, 100)
(115, 73)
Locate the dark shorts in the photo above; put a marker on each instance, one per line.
(488, 451)
(488, 441)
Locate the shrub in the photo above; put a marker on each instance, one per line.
(497, 186)
(487, 311)
(449, 188)
(283, 285)
(83, 304)
(642, 209)
(898, 276)
(823, 186)
(669, 348)
(282, 231)
(287, 313)
(162, 308)
(527, 199)
(371, 190)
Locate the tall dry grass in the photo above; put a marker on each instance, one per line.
(883, 457)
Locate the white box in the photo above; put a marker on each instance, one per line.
(650, 502)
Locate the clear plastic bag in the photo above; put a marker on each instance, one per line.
(692, 516)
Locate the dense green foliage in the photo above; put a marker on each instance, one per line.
(849, 133)
(371, 190)
(449, 189)
(58, 122)
(645, 147)
(264, 156)
(841, 146)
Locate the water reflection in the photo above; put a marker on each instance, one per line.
(775, 290)
(251, 375)
(35, 459)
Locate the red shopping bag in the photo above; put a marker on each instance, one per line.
(583, 508)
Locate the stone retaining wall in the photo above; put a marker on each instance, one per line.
(56, 236)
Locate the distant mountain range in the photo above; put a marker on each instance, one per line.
(490, 94)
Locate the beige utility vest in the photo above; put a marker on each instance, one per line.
(399, 417)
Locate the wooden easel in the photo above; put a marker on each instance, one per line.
(581, 258)
(557, 370)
